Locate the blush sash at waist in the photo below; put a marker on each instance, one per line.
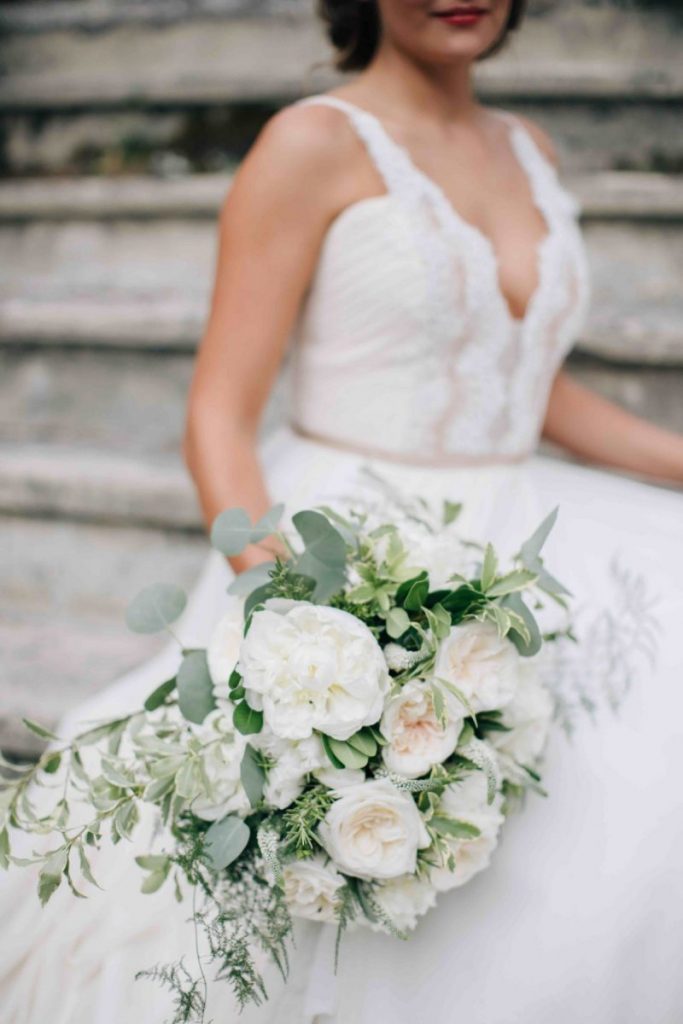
(452, 460)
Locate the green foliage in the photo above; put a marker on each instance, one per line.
(225, 841)
(324, 555)
(301, 819)
(155, 608)
(247, 720)
(195, 687)
(253, 775)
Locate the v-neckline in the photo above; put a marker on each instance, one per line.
(462, 224)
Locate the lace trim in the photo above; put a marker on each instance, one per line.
(479, 408)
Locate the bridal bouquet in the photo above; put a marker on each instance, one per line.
(344, 750)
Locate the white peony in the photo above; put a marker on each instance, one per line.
(528, 716)
(404, 900)
(466, 801)
(217, 788)
(224, 647)
(313, 667)
(417, 740)
(373, 831)
(483, 665)
(441, 552)
(312, 888)
(293, 762)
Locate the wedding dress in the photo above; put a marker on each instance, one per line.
(407, 360)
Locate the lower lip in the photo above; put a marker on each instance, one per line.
(464, 20)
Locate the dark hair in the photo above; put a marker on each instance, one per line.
(353, 27)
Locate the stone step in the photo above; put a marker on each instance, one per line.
(195, 88)
(603, 196)
(113, 483)
(63, 593)
(129, 263)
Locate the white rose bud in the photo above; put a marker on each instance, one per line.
(312, 889)
(218, 787)
(224, 648)
(404, 900)
(373, 831)
(483, 665)
(467, 801)
(528, 716)
(313, 667)
(417, 740)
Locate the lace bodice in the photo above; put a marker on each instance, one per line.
(405, 346)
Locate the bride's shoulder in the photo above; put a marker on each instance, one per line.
(539, 136)
(314, 136)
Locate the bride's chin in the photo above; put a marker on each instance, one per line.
(459, 48)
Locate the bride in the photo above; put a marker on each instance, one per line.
(421, 255)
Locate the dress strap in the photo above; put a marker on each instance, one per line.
(386, 155)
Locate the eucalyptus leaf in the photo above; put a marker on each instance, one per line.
(195, 687)
(324, 557)
(349, 757)
(248, 581)
(334, 760)
(364, 742)
(252, 775)
(268, 524)
(225, 841)
(257, 597)
(231, 531)
(155, 608)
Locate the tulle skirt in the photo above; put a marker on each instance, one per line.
(579, 917)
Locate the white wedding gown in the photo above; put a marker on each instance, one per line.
(407, 359)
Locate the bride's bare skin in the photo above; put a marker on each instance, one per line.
(305, 168)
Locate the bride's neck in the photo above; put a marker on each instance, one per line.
(404, 86)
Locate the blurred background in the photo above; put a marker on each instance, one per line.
(121, 122)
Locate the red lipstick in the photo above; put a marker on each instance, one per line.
(461, 17)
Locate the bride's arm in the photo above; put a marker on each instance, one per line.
(595, 429)
(271, 228)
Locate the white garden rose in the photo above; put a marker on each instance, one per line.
(224, 648)
(217, 788)
(528, 717)
(404, 900)
(312, 888)
(484, 666)
(313, 667)
(467, 801)
(373, 831)
(416, 738)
